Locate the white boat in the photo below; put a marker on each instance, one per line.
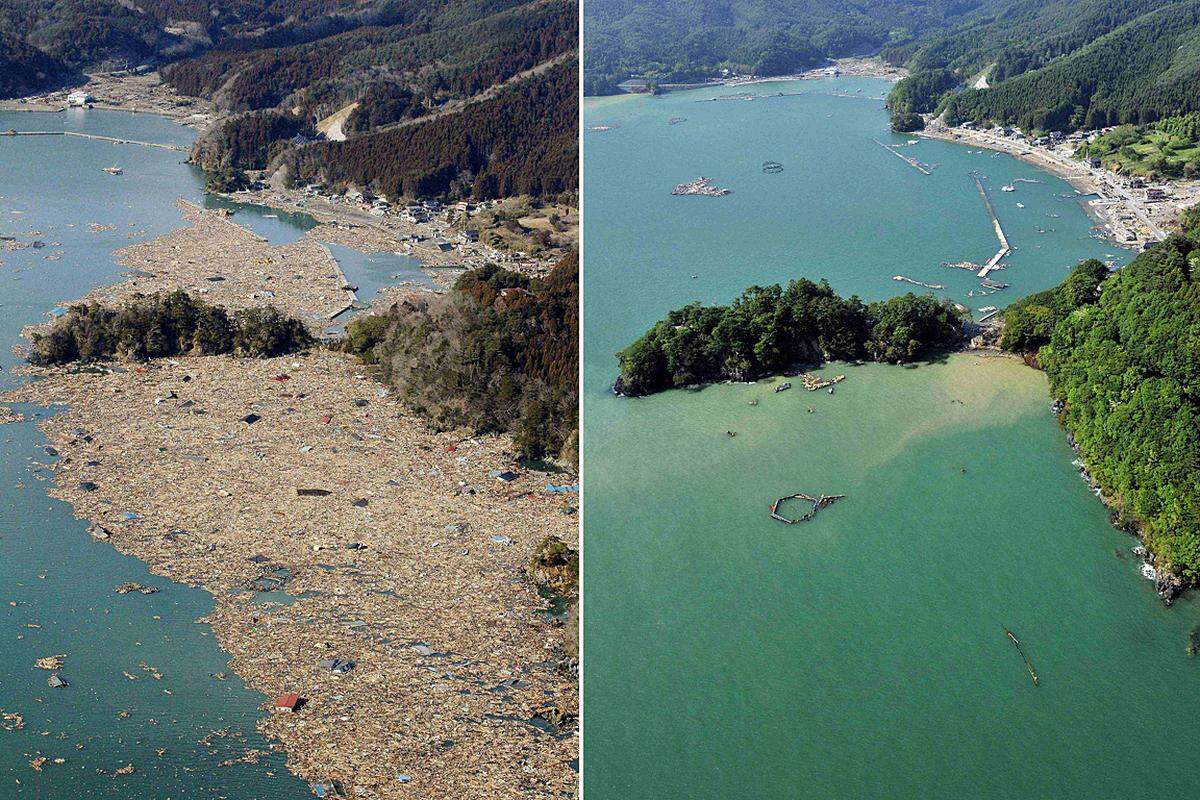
(1008, 187)
(1020, 205)
(112, 170)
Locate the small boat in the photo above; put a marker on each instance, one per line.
(1008, 187)
(783, 387)
(753, 402)
(831, 390)
(1020, 205)
(112, 170)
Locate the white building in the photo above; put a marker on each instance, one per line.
(79, 99)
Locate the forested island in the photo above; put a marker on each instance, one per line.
(1121, 352)
(164, 325)
(770, 329)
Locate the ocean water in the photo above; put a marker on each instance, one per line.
(57, 582)
(861, 654)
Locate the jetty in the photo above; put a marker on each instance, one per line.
(97, 137)
(818, 503)
(994, 261)
(912, 162)
(1017, 643)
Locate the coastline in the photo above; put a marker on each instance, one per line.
(414, 566)
(850, 67)
(132, 93)
(352, 225)
(1127, 221)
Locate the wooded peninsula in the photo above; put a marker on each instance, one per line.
(1120, 351)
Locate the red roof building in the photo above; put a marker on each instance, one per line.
(289, 702)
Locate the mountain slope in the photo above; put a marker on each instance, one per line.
(679, 40)
(1143, 70)
(1062, 64)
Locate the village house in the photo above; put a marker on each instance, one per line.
(288, 703)
(79, 99)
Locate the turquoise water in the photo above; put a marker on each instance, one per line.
(861, 654)
(54, 576)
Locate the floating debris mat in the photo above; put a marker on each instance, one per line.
(970, 266)
(772, 167)
(818, 503)
(814, 382)
(702, 186)
(914, 282)
(676, 120)
(1017, 643)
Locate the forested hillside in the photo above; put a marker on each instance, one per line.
(522, 141)
(448, 97)
(687, 40)
(1169, 148)
(24, 68)
(1123, 360)
(499, 352)
(1063, 64)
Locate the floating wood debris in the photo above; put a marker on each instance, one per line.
(702, 186)
(924, 169)
(814, 382)
(818, 503)
(970, 266)
(905, 279)
(1017, 643)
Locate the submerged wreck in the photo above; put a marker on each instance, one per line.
(818, 503)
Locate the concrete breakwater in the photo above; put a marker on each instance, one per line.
(1005, 249)
(98, 137)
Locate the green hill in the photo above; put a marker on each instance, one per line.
(1065, 64)
(686, 40)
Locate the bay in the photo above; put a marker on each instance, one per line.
(861, 654)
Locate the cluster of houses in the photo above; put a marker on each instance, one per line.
(1075, 139)
(423, 211)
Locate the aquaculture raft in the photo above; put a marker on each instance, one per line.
(818, 503)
